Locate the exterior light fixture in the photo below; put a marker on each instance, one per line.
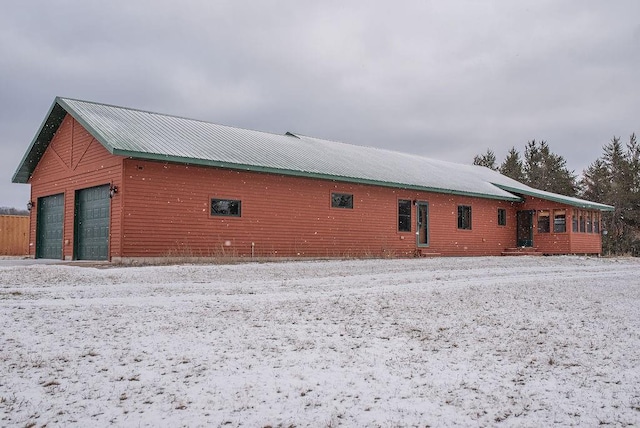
(112, 191)
(29, 205)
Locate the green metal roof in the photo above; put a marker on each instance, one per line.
(575, 202)
(146, 135)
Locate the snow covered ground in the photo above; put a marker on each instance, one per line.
(469, 341)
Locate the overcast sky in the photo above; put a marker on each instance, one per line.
(442, 79)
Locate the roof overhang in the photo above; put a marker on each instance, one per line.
(305, 174)
(574, 202)
(40, 143)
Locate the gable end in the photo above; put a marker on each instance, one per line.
(40, 142)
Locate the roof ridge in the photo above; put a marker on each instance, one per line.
(174, 116)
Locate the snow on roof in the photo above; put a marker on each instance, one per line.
(147, 135)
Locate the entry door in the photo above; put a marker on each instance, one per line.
(423, 223)
(49, 225)
(525, 228)
(92, 224)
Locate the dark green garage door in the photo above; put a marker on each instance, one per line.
(49, 227)
(92, 224)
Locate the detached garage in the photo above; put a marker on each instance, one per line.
(112, 183)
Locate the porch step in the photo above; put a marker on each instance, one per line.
(521, 251)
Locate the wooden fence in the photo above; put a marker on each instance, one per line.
(14, 235)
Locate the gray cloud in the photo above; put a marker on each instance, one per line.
(441, 79)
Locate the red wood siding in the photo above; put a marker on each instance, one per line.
(75, 160)
(568, 242)
(167, 213)
(485, 236)
(584, 243)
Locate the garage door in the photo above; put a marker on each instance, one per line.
(49, 227)
(92, 224)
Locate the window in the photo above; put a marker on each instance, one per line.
(342, 200)
(404, 215)
(574, 221)
(589, 224)
(225, 207)
(596, 223)
(502, 217)
(559, 221)
(543, 221)
(582, 222)
(464, 217)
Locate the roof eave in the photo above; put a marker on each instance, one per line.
(558, 198)
(57, 112)
(304, 174)
(40, 142)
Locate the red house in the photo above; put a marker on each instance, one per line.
(112, 183)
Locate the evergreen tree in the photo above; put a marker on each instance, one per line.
(548, 171)
(633, 182)
(595, 184)
(533, 167)
(561, 180)
(512, 166)
(614, 179)
(488, 159)
(541, 168)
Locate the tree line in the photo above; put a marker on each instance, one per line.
(612, 179)
(13, 211)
